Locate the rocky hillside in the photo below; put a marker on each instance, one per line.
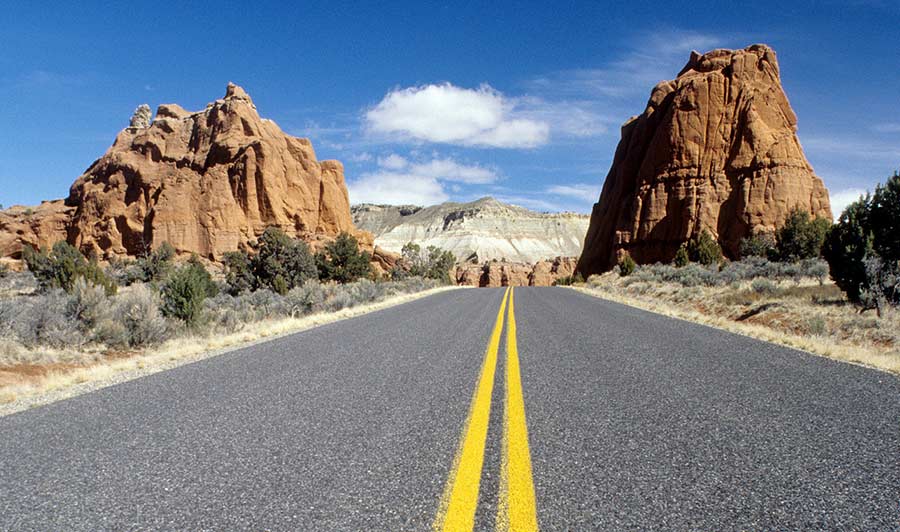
(501, 273)
(482, 230)
(716, 149)
(207, 182)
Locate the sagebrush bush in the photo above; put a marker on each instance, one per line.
(41, 320)
(139, 314)
(4, 270)
(87, 304)
(733, 272)
(764, 286)
(759, 245)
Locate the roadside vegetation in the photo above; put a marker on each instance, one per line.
(66, 312)
(832, 289)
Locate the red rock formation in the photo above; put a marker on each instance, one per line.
(206, 182)
(499, 273)
(715, 149)
(41, 226)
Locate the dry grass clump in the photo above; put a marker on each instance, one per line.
(790, 304)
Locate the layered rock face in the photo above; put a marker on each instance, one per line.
(497, 273)
(481, 230)
(715, 149)
(206, 182)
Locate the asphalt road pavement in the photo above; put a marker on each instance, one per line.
(439, 414)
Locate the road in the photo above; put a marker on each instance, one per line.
(436, 414)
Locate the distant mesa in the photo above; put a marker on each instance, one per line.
(207, 182)
(715, 149)
(482, 230)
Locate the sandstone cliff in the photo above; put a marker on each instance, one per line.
(206, 182)
(715, 149)
(483, 230)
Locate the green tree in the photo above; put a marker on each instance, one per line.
(626, 265)
(281, 262)
(185, 290)
(238, 272)
(846, 247)
(61, 266)
(433, 263)
(885, 219)
(342, 261)
(704, 249)
(801, 237)
(156, 264)
(682, 257)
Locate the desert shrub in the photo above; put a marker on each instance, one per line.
(704, 249)
(763, 286)
(306, 299)
(882, 284)
(733, 272)
(42, 321)
(432, 263)
(568, 280)
(281, 262)
(4, 270)
(342, 261)
(88, 304)
(137, 312)
(816, 326)
(626, 265)
(61, 266)
(185, 290)
(801, 237)
(759, 245)
(682, 257)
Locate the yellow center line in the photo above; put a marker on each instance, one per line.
(457, 507)
(517, 510)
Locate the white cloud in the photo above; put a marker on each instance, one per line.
(396, 189)
(652, 59)
(450, 170)
(392, 162)
(399, 181)
(454, 115)
(841, 199)
(579, 191)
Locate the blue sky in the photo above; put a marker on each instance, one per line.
(430, 101)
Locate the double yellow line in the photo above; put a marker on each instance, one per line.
(516, 510)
